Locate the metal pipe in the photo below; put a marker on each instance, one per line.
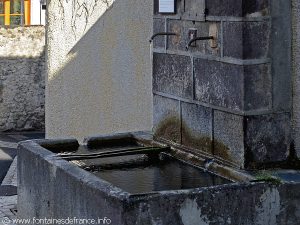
(145, 150)
(198, 39)
(161, 34)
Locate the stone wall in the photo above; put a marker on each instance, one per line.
(233, 101)
(22, 78)
(99, 67)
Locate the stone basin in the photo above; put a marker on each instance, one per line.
(55, 187)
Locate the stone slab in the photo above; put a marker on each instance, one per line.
(229, 137)
(166, 118)
(219, 84)
(172, 74)
(197, 127)
(258, 87)
(238, 8)
(246, 40)
(267, 138)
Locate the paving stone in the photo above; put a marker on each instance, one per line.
(172, 74)
(197, 127)
(246, 40)
(166, 118)
(229, 137)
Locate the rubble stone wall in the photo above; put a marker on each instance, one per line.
(22, 78)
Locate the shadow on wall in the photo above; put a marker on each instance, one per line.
(22, 93)
(101, 83)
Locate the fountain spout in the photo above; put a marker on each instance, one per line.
(198, 39)
(161, 34)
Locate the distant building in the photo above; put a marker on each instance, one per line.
(22, 12)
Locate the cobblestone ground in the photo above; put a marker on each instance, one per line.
(8, 194)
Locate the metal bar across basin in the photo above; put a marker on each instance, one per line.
(115, 153)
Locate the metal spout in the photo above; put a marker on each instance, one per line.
(161, 34)
(198, 39)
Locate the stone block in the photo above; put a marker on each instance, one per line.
(267, 138)
(159, 26)
(246, 40)
(229, 137)
(196, 127)
(172, 74)
(166, 118)
(236, 87)
(258, 87)
(219, 84)
(238, 8)
(180, 41)
(255, 8)
(224, 7)
(194, 10)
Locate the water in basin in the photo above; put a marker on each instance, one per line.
(140, 174)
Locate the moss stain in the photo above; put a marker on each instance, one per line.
(199, 141)
(222, 151)
(169, 129)
(172, 129)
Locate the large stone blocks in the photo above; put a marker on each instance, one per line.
(246, 40)
(166, 118)
(229, 137)
(255, 8)
(224, 7)
(197, 127)
(194, 9)
(238, 8)
(267, 138)
(219, 84)
(236, 87)
(172, 74)
(235, 99)
(250, 141)
(257, 87)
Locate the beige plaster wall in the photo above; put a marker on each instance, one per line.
(99, 69)
(296, 74)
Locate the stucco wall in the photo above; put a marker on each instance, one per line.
(99, 74)
(22, 78)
